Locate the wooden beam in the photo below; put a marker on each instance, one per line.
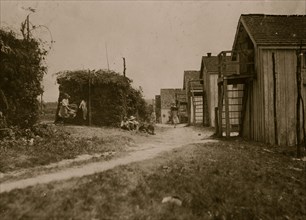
(226, 105)
(220, 106)
(89, 98)
(216, 121)
(274, 101)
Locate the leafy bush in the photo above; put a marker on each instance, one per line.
(21, 74)
(112, 95)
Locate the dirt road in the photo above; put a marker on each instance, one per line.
(148, 148)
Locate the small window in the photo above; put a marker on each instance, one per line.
(304, 60)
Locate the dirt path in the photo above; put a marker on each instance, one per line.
(167, 140)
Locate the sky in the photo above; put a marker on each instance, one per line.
(159, 39)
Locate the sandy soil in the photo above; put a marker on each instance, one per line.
(147, 147)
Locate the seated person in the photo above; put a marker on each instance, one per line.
(148, 128)
(125, 124)
(133, 124)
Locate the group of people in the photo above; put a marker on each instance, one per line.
(131, 124)
(67, 110)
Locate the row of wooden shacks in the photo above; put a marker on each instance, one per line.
(251, 90)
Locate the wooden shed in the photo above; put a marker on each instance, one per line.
(269, 51)
(194, 91)
(209, 75)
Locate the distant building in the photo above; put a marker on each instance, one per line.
(194, 92)
(158, 108)
(167, 97)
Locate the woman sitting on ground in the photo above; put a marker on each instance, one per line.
(125, 124)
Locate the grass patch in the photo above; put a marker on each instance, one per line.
(48, 144)
(226, 180)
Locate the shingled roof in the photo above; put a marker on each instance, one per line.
(168, 96)
(211, 64)
(190, 75)
(274, 29)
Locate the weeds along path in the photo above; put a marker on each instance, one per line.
(167, 140)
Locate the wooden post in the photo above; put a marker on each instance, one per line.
(274, 101)
(106, 56)
(188, 104)
(238, 66)
(89, 97)
(124, 67)
(203, 104)
(220, 108)
(220, 95)
(124, 95)
(298, 104)
(216, 121)
(28, 27)
(244, 106)
(226, 105)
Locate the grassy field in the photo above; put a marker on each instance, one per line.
(225, 180)
(51, 144)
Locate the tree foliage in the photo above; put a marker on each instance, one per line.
(111, 94)
(21, 73)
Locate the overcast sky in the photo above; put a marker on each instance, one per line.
(159, 39)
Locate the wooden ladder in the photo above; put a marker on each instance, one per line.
(233, 103)
(197, 100)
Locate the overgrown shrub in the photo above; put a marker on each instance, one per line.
(111, 94)
(21, 74)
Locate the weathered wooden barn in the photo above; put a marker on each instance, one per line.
(266, 52)
(194, 92)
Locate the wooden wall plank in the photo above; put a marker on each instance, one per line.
(213, 81)
(260, 105)
(267, 65)
(267, 104)
(291, 98)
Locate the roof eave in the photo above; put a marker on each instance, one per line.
(281, 44)
(241, 22)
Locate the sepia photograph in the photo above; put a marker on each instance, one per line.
(152, 109)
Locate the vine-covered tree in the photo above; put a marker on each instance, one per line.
(21, 73)
(111, 95)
